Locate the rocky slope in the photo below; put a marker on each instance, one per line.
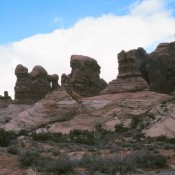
(58, 112)
(124, 99)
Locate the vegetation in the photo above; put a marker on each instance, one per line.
(144, 154)
(45, 164)
(6, 137)
(92, 163)
(129, 163)
(75, 136)
(12, 149)
(165, 139)
(121, 128)
(28, 157)
(135, 122)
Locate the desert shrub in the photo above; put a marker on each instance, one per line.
(23, 133)
(143, 159)
(41, 136)
(28, 157)
(98, 127)
(13, 149)
(56, 137)
(121, 128)
(139, 135)
(164, 138)
(6, 137)
(129, 163)
(57, 166)
(82, 137)
(135, 122)
(152, 116)
(56, 152)
(115, 149)
(168, 146)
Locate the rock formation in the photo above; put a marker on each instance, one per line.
(59, 112)
(31, 87)
(6, 96)
(63, 109)
(53, 79)
(84, 78)
(160, 68)
(23, 90)
(40, 84)
(129, 78)
(5, 100)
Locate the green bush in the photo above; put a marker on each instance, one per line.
(164, 138)
(23, 133)
(6, 137)
(41, 136)
(121, 128)
(82, 137)
(98, 127)
(135, 121)
(47, 136)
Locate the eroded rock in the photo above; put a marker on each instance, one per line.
(23, 91)
(129, 78)
(31, 87)
(40, 85)
(161, 68)
(85, 76)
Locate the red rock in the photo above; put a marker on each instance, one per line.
(85, 76)
(129, 78)
(160, 68)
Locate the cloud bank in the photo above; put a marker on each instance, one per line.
(148, 23)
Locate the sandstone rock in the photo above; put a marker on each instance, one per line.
(84, 78)
(22, 88)
(58, 112)
(53, 79)
(40, 84)
(129, 78)
(10, 111)
(31, 87)
(6, 96)
(56, 106)
(5, 100)
(64, 80)
(161, 68)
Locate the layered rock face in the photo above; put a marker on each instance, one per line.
(85, 76)
(59, 112)
(160, 68)
(129, 78)
(31, 87)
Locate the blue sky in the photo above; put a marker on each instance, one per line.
(24, 18)
(48, 32)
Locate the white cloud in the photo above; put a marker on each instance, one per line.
(147, 24)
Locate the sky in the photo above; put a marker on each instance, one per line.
(48, 32)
